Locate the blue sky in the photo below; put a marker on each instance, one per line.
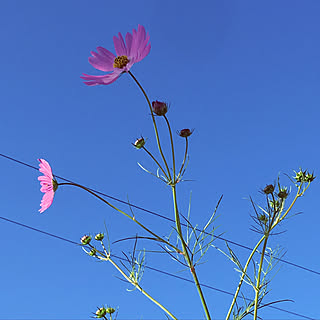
(243, 74)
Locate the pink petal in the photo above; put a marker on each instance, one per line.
(101, 61)
(119, 45)
(46, 201)
(129, 43)
(45, 168)
(105, 79)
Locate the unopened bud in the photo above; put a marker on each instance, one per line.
(101, 312)
(159, 108)
(85, 239)
(268, 189)
(139, 143)
(99, 236)
(110, 310)
(283, 193)
(185, 133)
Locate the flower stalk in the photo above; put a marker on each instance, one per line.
(154, 123)
(186, 254)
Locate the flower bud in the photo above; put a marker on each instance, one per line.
(159, 108)
(268, 189)
(99, 236)
(185, 133)
(139, 143)
(283, 193)
(110, 310)
(263, 218)
(92, 252)
(309, 177)
(85, 239)
(101, 312)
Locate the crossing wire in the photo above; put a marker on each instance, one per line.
(151, 268)
(163, 217)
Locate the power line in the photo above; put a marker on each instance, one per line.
(150, 268)
(162, 216)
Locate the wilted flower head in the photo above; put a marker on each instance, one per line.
(133, 50)
(185, 133)
(159, 108)
(48, 183)
(139, 143)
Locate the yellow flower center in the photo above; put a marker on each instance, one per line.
(120, 62)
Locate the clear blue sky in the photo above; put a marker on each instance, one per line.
(244, 74)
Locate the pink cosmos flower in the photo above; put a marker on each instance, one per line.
(48, 183)
(133, 50)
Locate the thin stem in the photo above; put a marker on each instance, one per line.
(243, 276)
(184, 159)
(256, 248)
(154, 123)
(257, 289)
(117, 209)
(155, 160)
(137, 286)
(186, 254)
(172, 148)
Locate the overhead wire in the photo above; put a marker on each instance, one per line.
(162, 216)
(151, 268)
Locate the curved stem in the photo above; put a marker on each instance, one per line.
(117, 209)
(155, 160)
(186, 254)
(172, 149)
(154, 123)
(184, 159)
(137, 286)
(243, 276)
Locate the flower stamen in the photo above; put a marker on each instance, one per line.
(120, 62)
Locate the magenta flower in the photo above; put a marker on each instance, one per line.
(133, 50)
(48, 183)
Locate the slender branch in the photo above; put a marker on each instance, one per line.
(117, 209)
(154, 123)
(137, 286)
(184, 159)
(172, 149)
(155, 160)
(254, 250)
(243, 276)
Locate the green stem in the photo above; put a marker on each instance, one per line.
(243, 276)
(256, 248)
(186, 254)
(154, 123)
(155, 160)
(117, 209)
(137, 286)
(257, 289)
(172, 149)
(184, 159)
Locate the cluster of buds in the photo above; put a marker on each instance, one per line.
(101, 312)
(304, 176)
